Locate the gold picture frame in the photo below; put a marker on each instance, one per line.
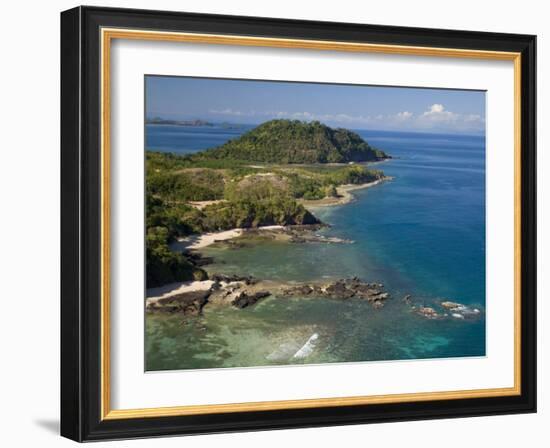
(106, 33)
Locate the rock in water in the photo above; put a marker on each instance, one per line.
(188, 303)
(339, 290)
(342, 289)
(451, 305)
(247, 279)
(428, 312)
(244, 299)
(460, 311)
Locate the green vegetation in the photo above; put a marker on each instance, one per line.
(245, 195)
(165, 266)
(245, 214)
(196, 184)
(293, 141)
(163, 224)
(167, 220)
(315, 182)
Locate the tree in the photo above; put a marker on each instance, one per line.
(331, 191)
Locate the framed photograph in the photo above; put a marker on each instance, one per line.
(276, 224)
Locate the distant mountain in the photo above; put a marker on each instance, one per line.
(293, 141)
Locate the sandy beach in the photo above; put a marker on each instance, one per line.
(344, 194)
(195, 242)
(172, 289)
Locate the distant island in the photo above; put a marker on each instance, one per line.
(158, 120)
(270, 176)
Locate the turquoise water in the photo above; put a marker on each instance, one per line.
(423, 233)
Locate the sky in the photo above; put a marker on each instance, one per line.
(349, 106)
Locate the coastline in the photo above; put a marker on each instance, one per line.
(243, 291)
(343, 191)
(153, 295)
(195, 242)
(344, 194)
(191, 297)
(200, 241)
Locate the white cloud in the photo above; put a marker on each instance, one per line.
(438, 113)
(436, 117)
(231, 112)
(436, 109)
(301, 116)
(405, 115)
(470, 118)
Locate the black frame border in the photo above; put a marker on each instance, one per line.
(81, 223)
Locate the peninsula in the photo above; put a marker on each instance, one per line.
(271, 176)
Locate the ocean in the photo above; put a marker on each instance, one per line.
(421, 233)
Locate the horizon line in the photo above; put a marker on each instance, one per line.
(413, 131)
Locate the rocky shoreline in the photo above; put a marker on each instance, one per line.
(241, 292)
(306, 233)
(285, 234)
(245, 291)
(342, 289)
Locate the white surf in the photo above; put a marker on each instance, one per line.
(308, 347)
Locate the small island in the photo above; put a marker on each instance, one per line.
(272, 175)
(191, 123)
(294, 142)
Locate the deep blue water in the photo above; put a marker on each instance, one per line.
(423, 233)
(429, 222)
(188, 139)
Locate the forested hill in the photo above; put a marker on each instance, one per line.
(293, 141)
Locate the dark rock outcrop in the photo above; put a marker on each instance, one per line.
(247, 279)
(343, 289)
(245, 299)
(197, 259)
(339, 290)
(188, 303)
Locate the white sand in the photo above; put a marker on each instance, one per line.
(162, 292)
(276, 227)
(206, 239)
